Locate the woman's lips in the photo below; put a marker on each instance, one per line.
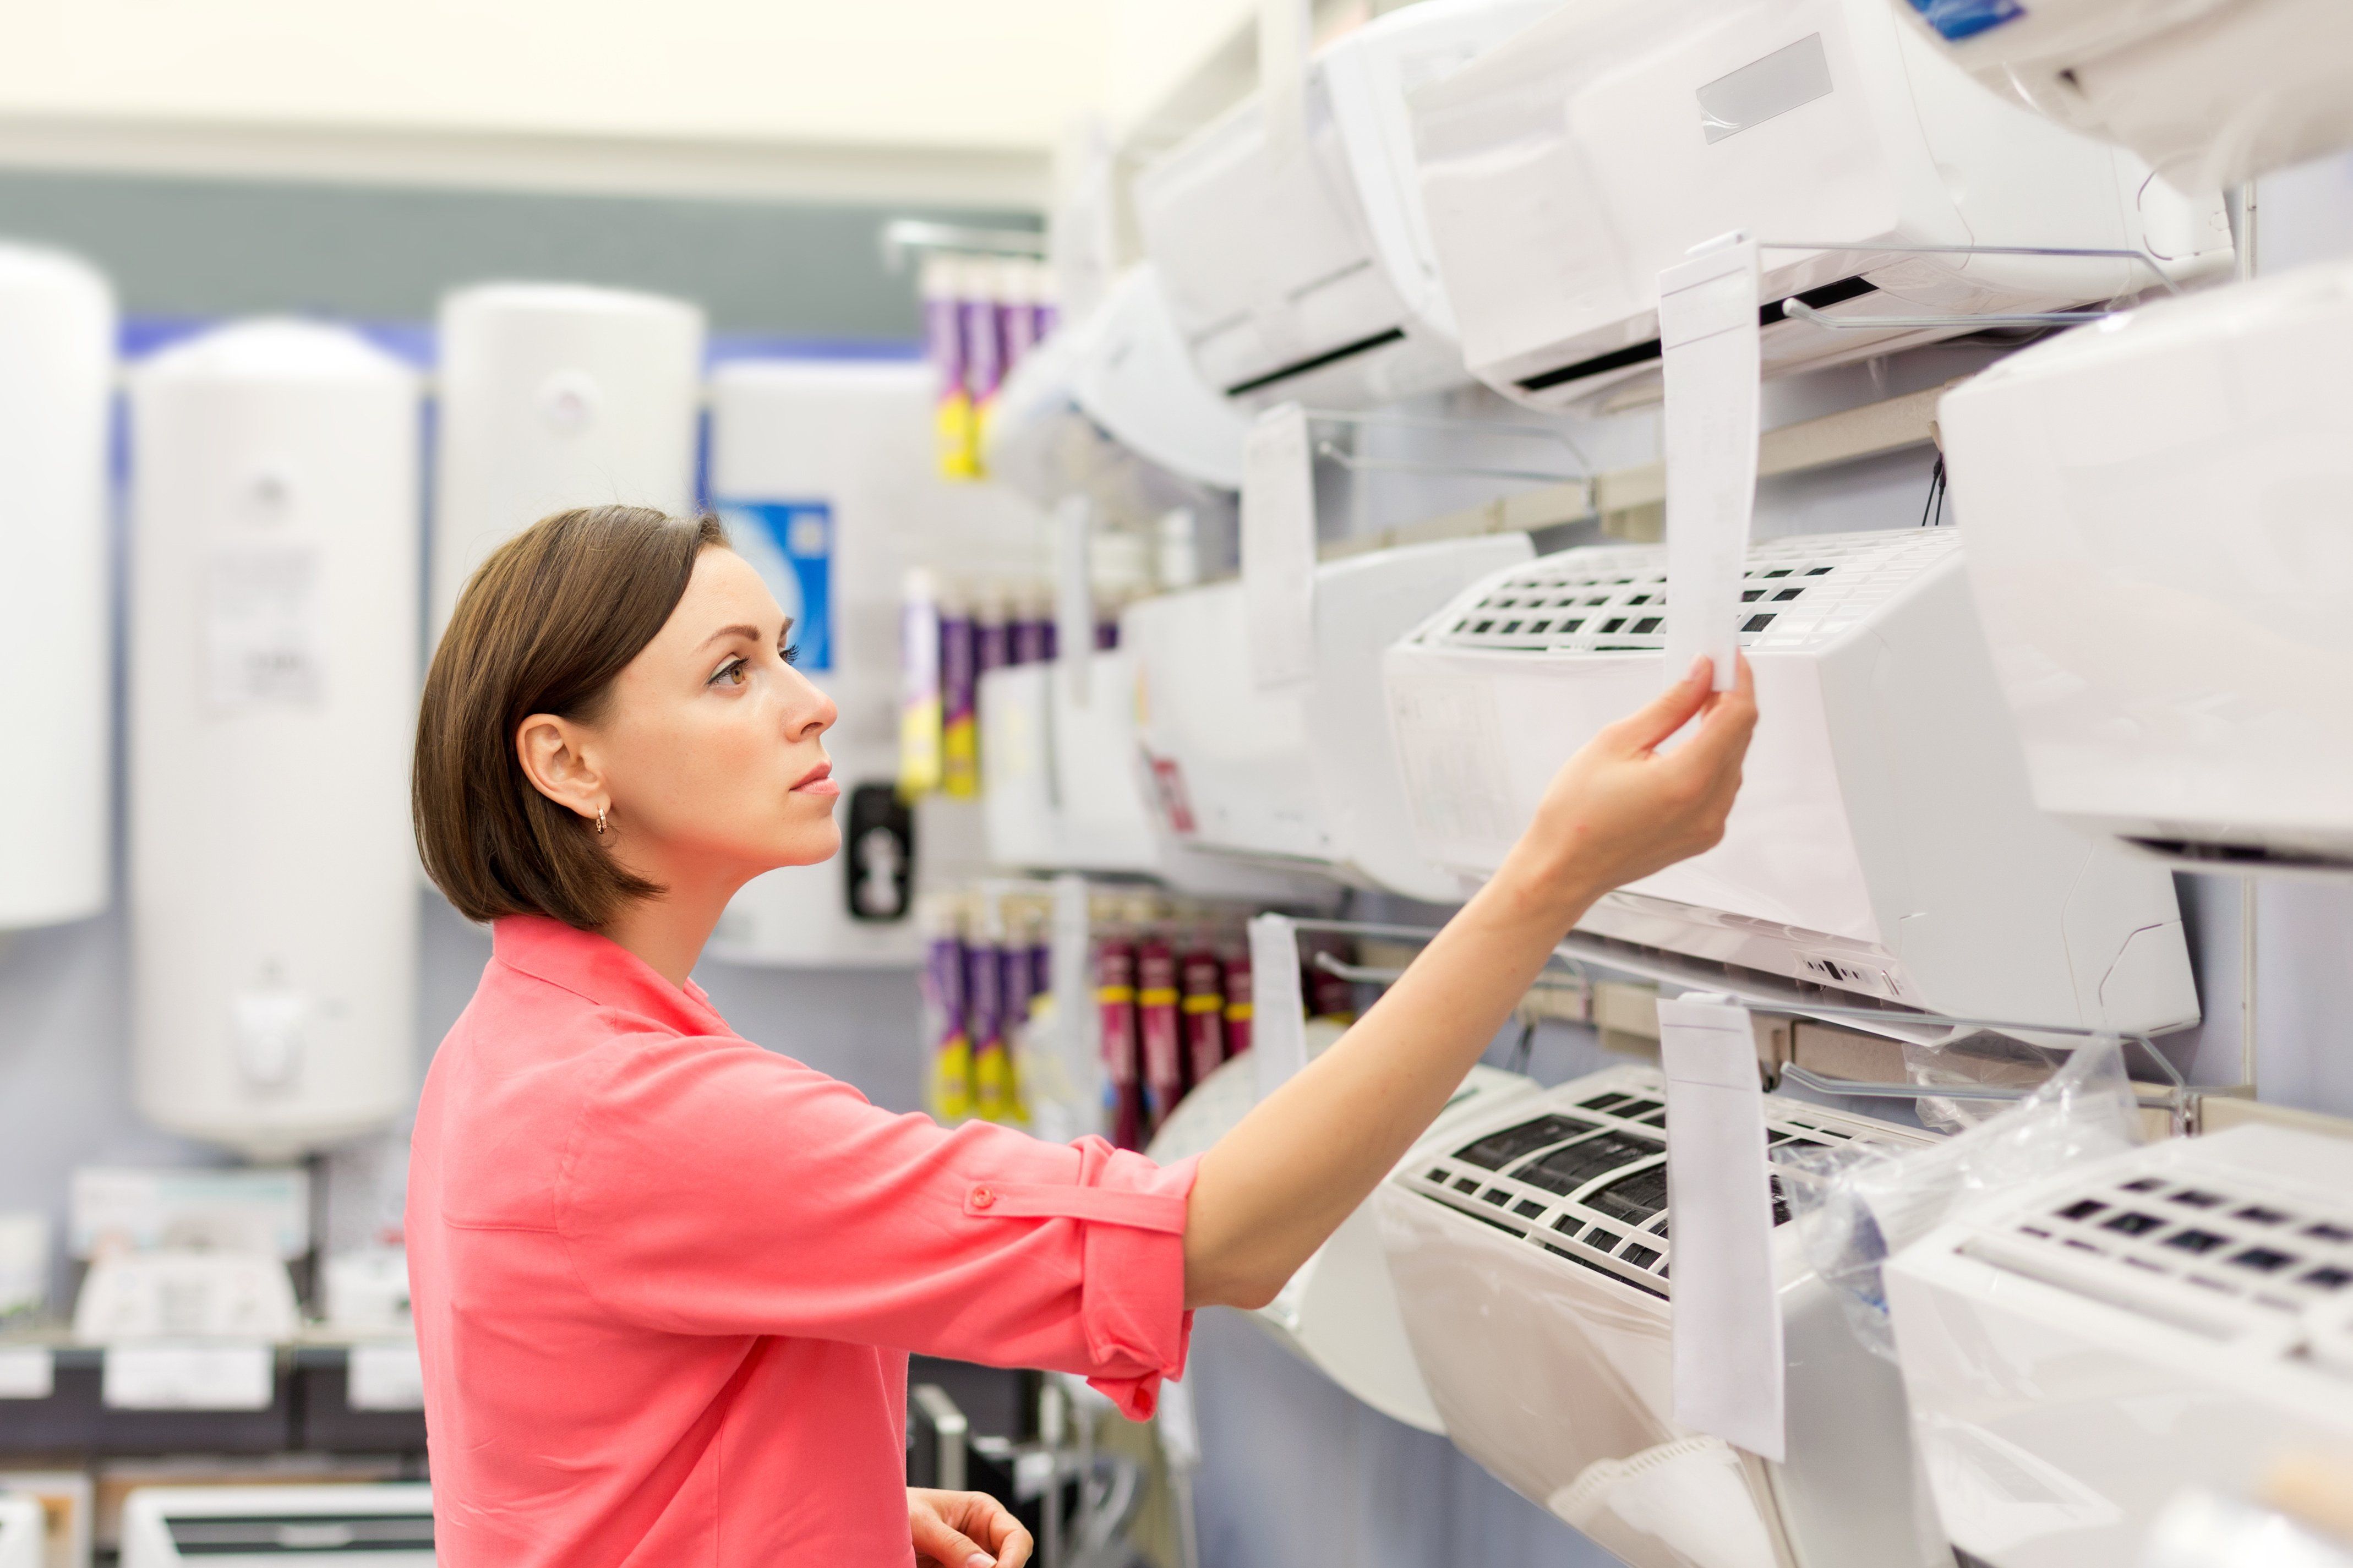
(817, 780)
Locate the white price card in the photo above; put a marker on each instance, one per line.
(189, 1377)
(1708, 335)
(1278, 548)
(1726, 1317)
(28, 1372)
(386, 1376)
(1074, 602)
(1278, 1010)
(265, 645)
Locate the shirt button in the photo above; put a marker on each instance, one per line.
(982, 1197)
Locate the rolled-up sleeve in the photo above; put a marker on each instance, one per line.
(714, 1187)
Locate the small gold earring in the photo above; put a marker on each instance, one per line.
(600, 819)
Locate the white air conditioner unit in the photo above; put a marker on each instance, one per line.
(1304, 772)
(388, 1525)
(2160, 520)
(1564, 168)
(1530, 1255)
(2083, 1351)
(1110, 402)
(24, 1531)
(1296, 256)
(2211, 92)
(1338, 1313)
(1062, 787)
(1884, 841)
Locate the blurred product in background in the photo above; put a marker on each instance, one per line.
(273, 699)
(556, 396)
(56, 373)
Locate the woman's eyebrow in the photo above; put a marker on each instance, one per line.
(785, 631)
(734, 631)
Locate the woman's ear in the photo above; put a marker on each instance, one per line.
(551, 753)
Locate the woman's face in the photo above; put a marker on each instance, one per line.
(709, 749)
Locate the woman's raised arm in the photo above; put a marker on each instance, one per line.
(1272, 1189)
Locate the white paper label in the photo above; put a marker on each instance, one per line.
(1278, 548)
(264, 645)
(1278, 1012)
(1708, 336)
(28, 1372)
(385, 1377)
(1074, 602)
(1727, 1320)
(188, 1377)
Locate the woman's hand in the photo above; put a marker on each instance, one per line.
(965, 1529)
(1620, 808)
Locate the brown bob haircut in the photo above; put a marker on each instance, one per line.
(543, 626)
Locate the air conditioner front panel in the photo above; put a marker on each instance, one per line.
(1530, 1251)
(2084, 1350)
(1228, 758)
(1885, 825)
(2160, 553)
(1475, 779)
(1565, 167)
(1362, 604)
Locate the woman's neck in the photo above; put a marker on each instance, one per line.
(669, 930)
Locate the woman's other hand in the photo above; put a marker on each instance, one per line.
(1622, 808)
(965, 1529)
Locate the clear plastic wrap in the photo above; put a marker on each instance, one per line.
(1859, 1204)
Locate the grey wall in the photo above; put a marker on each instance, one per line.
(206, 248)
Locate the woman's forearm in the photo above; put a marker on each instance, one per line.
(1270, 1191)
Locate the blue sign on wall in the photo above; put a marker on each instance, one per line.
(790, 544)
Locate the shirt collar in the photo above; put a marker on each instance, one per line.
(603, 971)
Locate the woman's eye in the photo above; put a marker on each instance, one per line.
(793, 654)
(731, 673)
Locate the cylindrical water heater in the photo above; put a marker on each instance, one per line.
(275, 488)
(57, 371)
(822, 471)
(556, 396)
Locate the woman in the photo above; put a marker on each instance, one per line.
(665, 1281)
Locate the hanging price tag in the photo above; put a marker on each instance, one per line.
(1728, 1319)
(1708, 335)
(1278, 548)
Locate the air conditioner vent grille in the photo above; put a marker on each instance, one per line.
(2206, 1247)
(1587, 1182)
(1802, 592)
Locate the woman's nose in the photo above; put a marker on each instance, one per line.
(808, 712)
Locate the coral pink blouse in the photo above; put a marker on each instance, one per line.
(666, 1283)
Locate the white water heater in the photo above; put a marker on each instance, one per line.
(57, 369)
(556, 396)
(273, 700)
(821, 469)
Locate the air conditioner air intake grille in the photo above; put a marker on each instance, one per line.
(2208, 1249)
(1797, 592)
(1588, 1182)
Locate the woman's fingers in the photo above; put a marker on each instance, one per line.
(965, 1529)
(1651, 724)
(1722, 734)
(937, 1539)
